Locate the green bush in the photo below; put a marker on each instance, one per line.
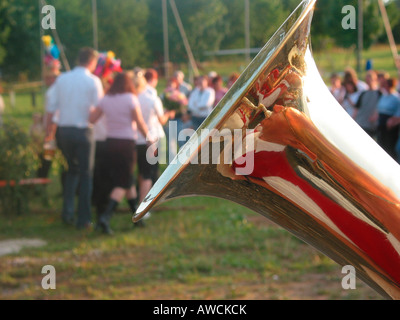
(18, 160)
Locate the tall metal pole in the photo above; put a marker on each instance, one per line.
(360, 46)
(247, 28)
(95, 29)
(166, 41)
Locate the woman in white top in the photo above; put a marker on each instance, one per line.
(154, 117)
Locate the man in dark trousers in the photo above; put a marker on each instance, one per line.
(75, 93)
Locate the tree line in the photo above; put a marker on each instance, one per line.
(133, 29)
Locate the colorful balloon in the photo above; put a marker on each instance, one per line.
(47, 40)
(55, 53)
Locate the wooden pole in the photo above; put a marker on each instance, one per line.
(95, 29)
(41, 33)
(247, 28)
(166, 40)
(184, 38)
(360, 45)
(389, 33)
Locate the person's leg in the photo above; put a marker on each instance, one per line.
(102, 186)
(147, 172)
(145, 176)
(45, 165)
(393, 137)
(71, 185)
(67, 145)
(116, 196)
(398, 150)
(170, 129)
(179, 125)
(131, 193)
(145, 187)
(85, 155)
(121, 160)
(197, 122)
(131, 197)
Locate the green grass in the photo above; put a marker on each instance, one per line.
(333, 60)
(191, 248)
(218, 250)
(23, 110)
(337, 60)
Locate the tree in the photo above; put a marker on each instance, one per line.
(154, 31)
(267, 16)
(134, 31)
(122, 29)
(234, 17)
(393, 11)
(204, 26)
(327, 24)
(21, 19)
(4, 28)
(74, 26)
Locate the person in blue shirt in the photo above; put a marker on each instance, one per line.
(389, 117)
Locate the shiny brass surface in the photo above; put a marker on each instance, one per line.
(313, 171)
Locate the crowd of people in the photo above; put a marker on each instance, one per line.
(374, 104)
(109, 128)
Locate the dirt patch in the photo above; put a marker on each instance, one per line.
(15, 245)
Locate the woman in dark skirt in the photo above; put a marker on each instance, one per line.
(121, 109)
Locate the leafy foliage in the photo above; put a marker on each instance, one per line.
(17, 161)
(22, 49)
(134, 29)
(125, 32)
(327, 24)
(4, 28)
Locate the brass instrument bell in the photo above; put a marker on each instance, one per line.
(296, 157)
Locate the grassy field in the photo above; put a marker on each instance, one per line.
(191, 248)
(335, 60)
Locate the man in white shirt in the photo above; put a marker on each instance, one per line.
(201, 101)
(75, 93)
(184, 87)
